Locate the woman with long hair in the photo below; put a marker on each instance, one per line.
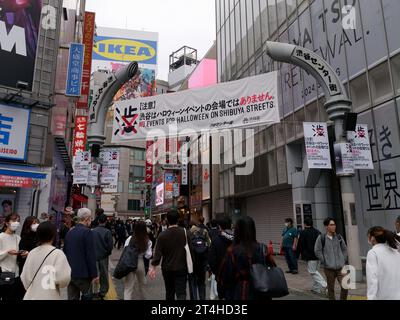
(29, 239)
(140, 240)
(9, 251)
(234, 280)
(383, 261)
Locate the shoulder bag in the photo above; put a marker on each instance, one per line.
(128, 262)
(8, 278)
(268, 281)
(189, 261)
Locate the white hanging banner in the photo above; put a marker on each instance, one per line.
(109, 157)
(81, 174)
(317, 145)
(93, 178)
(361, 147)
(344, 159)
(247, 102)
(109, 175)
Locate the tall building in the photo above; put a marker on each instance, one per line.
(362, 45)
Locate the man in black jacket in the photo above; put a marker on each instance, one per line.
(305, 247)
(80, 252)
(103, 245)
(219, 247)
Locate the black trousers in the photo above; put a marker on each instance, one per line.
(175, 284)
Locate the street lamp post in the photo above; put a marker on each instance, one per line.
(337, 105)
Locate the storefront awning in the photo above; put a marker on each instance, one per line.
(22, 171)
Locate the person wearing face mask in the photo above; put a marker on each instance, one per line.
(28, 239)
(289, 245)
(9, 251)
(80, 251)
(383, 260)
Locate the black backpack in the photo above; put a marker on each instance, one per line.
(199, 242)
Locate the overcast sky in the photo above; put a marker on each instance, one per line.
(178, 23)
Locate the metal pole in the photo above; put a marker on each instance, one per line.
(337, 105)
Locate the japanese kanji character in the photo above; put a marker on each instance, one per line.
(384, 136)
(243, 101)
(333, 87)
(391, 187)
(372, 187)
(299, 52)
(307, 56)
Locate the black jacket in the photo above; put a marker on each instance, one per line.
(103, 242)
(218, 250)
(306, 243)
(28, 242)
(80, 252)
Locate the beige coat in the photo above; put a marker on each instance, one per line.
(55, 273)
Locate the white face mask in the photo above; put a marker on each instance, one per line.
(286, 224)
(14, 225)
(34, 227)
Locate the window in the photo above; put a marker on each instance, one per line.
(136, 173)
(138, 154)
(133, 205)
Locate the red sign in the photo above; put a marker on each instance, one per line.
(88, 36)
(79, 134)
(149, 162)
(16, 182)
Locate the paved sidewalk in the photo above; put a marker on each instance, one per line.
(302, 282)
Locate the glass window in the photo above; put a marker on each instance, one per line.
(233, 43)
(281, 5)
(219, 62)
(139, 154)
(272, 17)
(391, 10)
(238, 38)
(359, 93)
(379, 80)
(257, 25)
(250, 23)
(244, 30)
(136, 173)
(264, 20)
(218, 14)
(395, 64)
(134, 205)
(223, 53)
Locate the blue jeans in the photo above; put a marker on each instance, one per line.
(290, 258)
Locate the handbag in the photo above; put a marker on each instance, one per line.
(189, 261)
(8, 278)
(268, 282)
(128, 262)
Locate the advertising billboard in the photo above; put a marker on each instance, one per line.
(14, 130)
(19, 31)
(117, 47)
(160, 194)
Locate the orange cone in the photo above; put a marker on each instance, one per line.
(270, 248)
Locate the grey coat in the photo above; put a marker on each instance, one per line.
(334, 256)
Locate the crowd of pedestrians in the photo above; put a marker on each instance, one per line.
(41, 261)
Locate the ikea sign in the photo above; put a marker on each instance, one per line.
(125, 50)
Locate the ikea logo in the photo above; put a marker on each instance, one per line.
(125, 50)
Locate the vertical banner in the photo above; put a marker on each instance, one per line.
(88, 35)
(74, 72)
(80, 134)
(160, 194)
(317, 145)
(93, 178)
(149, 162)
(361, 147)
(184, 176)
(169, 185)
(344, 159)
(81, 167)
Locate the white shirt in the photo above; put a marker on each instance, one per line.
(383, 273)
(149, 252)
(55, 273)
(8, 263)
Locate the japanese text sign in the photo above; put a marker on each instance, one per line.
(317, 145)
(80, 134)
(75, 67)
(359, 139)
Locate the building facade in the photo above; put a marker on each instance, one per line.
(365, 56)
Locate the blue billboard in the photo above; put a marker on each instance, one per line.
(75, 67)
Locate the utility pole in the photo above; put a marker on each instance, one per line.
(337, 105)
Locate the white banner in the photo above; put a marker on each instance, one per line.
(317, 145)
(107, 203)
(82, 158)
(111, 188)
(343, 159)
(109, 157)
(81, 174)
(93, 178)
(14, 132)
(359, 139)
(109, 175)
(247, 102)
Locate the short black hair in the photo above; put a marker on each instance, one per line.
(308, 222)
(172, 217)
(328, 220)
(225, 223)
(46, 232)
(6, 202)
(102, 218)
(99, 212)
(290, 220)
